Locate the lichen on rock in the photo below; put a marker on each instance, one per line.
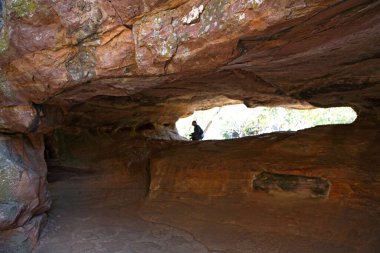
(82, 66)
(81, 18)
(131, 68)
(5, 89)
(4, 38)
(4, 41)
(23, 8)
(214, 15)
(9, 176)
(193, 15)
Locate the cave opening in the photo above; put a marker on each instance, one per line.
(237, 121)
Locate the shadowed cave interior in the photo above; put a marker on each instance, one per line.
(90, 157)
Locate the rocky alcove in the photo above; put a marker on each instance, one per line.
(91, 161)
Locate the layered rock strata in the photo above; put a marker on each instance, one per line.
(134, 67)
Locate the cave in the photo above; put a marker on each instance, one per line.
(91, 159)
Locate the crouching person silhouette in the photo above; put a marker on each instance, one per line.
(197, 135)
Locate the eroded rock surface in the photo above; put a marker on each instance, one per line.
(91, 73)
(23, 191)
(292, 185)
(346, 156)
(260, 52)
(201, 195)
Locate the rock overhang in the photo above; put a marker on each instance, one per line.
(172, 55)
(99, 70)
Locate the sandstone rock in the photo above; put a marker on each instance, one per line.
(22, 239)
(18, 119)
(65, 49)
(116, 53)
(105, 72)
(201, 186)
(9, 212)
(343, 155)
(292, 185)
(23, 192)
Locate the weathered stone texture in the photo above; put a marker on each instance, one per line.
(304, 52)
(21, 118)
(22, 239)
(23, 192)
(346, 156)
(131, 68)
(291, 185)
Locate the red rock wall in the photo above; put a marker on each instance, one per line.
(119, 158)
(346, 155)
(23, 190)
(110, 65)
(267, 52)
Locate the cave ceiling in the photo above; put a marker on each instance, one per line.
(98, 63)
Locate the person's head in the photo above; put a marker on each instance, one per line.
(194, 123)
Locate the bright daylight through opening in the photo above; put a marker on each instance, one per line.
(235, 121)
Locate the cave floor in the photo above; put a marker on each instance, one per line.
(84, 219)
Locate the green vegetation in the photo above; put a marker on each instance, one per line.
(239, 121)
(4, 42)
(23, 8)
(3, 45)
